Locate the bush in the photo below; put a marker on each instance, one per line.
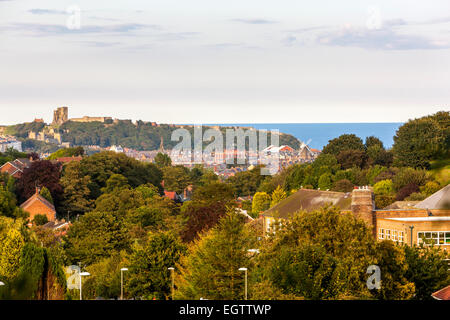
(343, 185)
(430, 187)
(382, 201)
(40, 219)
(406, 191)
(384, 187)
(407, 176)
(416, 196)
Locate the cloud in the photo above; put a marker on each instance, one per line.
(386, 37)
(61, 29)
(46, 11)
(383, 39)
(254, 21)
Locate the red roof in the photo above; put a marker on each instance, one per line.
(443, 294)
(170, 194)
(69, 159)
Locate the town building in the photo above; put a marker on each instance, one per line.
(15, 168)
(7, 142)
(37, 204)
(426, 222)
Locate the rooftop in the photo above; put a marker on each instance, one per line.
(438, 200)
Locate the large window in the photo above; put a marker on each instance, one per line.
(434, 237)
(394, 235)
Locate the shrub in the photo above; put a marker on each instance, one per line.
(406, 191)
(343, 185)
(40, 219)
(384, 187)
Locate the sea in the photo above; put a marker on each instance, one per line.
(317, 135)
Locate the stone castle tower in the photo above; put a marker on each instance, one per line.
(60, 115)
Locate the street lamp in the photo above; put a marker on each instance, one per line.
(121, 282)
(173, 282)
(82, 274)
(245, 270)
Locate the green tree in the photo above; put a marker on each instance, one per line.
(10, 251)
(278, 195)
(426, 269)
(148, 274)
(95, 236)
(430, 187)
(163, 160)
(342, 143)
(373, 141)
(352, 158)
(211, 267)
(325, 181)
(384, 187)
(46, 194)
(7, 202)
(261, 202)
(419, 141)
(343, 185)
(40, 219)
(392, 262)
(176, 178)
(77, 195)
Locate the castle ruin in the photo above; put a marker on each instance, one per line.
(60, 116)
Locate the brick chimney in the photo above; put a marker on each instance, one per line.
(363, 204)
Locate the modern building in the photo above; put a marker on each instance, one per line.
(426, 222)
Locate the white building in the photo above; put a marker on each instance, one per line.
(117, 149)
(7, 142)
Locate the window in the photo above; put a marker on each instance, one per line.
(394, 235)
(388, 234)
(381, 233)
(434, 237)
(401, 236)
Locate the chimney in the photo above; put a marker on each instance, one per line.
(363, 204)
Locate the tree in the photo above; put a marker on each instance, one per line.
(77, 195)
(418, 141)
(148, 274)
(325, 181)
(43, 173)
(384, 187)
(115, 183)
(211, 267)
(10, 250)
(45, 193)
(406, 191)
(392, 262)
(95, 236)
(343, 185)
(163, 160)
(430, 187)
(261, 202)
(342, 143)
(406, 176)
(66, 152)
(100, 166)
(426, 269)
(352, 158)
(337, 248)
(176, 178)
(7, 202)
(278, 195)
(373, 141)
(308, 271)
(40, 219)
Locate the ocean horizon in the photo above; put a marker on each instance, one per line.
(318, 134)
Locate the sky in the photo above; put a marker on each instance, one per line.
(234, 61)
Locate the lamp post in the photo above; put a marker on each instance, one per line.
(82, 274)
(245, 270)
(173, 282)
(121, 282)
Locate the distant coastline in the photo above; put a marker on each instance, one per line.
(321, 133)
